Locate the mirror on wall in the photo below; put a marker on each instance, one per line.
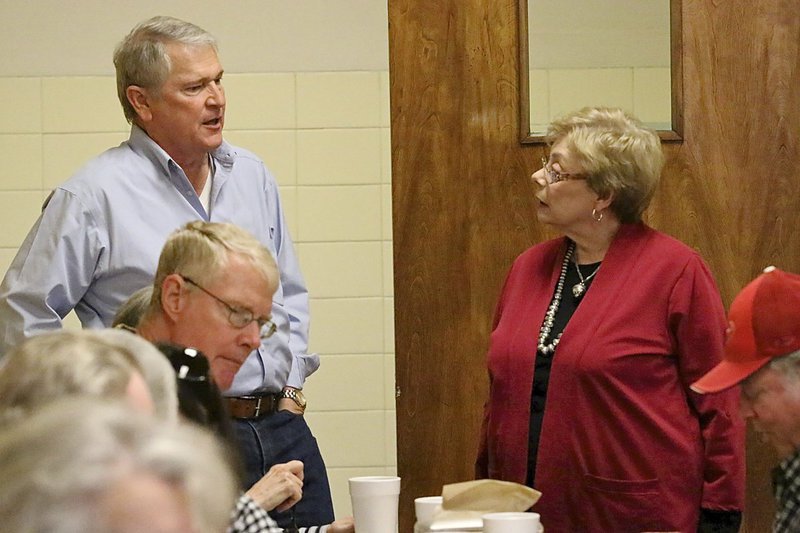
(624, 53)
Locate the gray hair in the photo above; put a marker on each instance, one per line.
(156, 370)
(61, 469)
(142, 58)
(788, 366)
(132, 310)
(95, 363)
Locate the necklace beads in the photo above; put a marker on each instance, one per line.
(549, 318)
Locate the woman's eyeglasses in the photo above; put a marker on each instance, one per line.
(554, 176)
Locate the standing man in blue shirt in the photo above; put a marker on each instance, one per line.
(100, 234)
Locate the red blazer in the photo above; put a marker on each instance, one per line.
(625, 444)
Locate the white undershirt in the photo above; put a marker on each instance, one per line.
(205, 194)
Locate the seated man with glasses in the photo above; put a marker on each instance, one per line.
(213, 291)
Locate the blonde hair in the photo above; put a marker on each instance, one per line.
(58, 467)
(94, 363)
(142, 58)
(622, 158)
(201, 250)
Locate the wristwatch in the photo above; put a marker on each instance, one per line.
(296, 395)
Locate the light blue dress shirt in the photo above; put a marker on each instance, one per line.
(99, 237)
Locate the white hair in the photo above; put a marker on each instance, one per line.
(156, 370)
(59, 468)
(96, 363)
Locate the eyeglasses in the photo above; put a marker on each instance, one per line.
(554, 176)
(238, 317)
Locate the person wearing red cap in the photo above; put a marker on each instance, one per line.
(762, 354)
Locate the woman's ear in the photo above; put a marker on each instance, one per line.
(602, 204)
(140, 101)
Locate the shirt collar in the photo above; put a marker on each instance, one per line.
(224, 155)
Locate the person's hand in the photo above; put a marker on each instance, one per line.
(286, 404)
(343, 525)
(280, 488)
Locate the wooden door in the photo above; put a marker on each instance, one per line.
(463, 207)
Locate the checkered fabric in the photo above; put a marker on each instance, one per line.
(786, 484)
(249, 517)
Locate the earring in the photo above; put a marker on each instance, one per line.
(597, 216)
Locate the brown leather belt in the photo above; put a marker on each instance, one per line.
(252, 406)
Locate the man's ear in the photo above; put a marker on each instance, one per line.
(173, 296)
(139, 98)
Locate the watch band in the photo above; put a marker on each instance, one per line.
(296, 396)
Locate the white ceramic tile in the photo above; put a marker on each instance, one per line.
(18, 212)
(71, 322)
(363, 431)
(342, 269)
(21, 155)
(388, 325)
(391, 438)
(64, 153)
(539, 99)
(339, 213)
(651, 96)
(346, 325)
(6, 256)
(389, 372)
(385, 101)
(386, 155)
(276, 148)
(346, 383)
(388, 269)
(259, 101)
(81, 104)
(386, 211)
(339, 100)
(24, 115)
(339, 157)
(572, 89)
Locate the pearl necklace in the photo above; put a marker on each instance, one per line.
(549, 317)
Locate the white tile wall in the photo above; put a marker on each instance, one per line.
(25, 115)
(645, 92)
(326, 138)
(22, 156)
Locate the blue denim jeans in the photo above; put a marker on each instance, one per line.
(279, 438)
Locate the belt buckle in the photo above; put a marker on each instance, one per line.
(258, 407)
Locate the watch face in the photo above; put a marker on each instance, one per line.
(299, 398)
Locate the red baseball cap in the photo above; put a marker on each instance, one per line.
(763, 323)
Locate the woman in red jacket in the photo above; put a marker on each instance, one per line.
(596, 339)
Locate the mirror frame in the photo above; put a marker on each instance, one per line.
(676, 71)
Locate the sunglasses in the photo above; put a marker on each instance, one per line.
(189, 364)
